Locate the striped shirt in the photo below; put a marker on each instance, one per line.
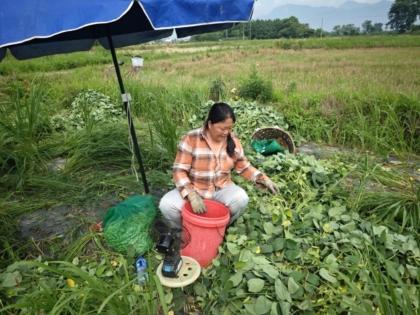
(198, 168)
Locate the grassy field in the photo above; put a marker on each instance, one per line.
(331, 244)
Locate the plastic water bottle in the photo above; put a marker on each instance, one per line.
(141, 270)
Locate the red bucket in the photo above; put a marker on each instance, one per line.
(206, 231)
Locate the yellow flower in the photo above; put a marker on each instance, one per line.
(327, 228)
(70, 283)
(136, 288)
(258, 250)
(286, 223)
(343, 289)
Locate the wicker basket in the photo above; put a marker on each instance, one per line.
(281, 136)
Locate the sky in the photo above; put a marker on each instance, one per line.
(265, 6)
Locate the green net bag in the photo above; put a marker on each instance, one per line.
(267, 146)
(270, 140)
(127, 225)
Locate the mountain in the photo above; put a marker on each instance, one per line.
(349, 12)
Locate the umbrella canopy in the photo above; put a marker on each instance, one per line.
(37, 28)
(32, 29)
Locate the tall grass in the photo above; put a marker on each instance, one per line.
(387, 197)
(23, 125)
(385, 124)
(65, 62)
(352, 97)
(386, 292)
(104, 283)
(165, 112)
(347, 42)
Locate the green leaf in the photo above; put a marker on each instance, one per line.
(250, 308)
(331, 261)
(255, 285)
(199, 289)
(292, 254)
(305, 305)
(285, 308)
(100, 270)
(351, 226)
(260, 261)
(242, 239)
(262, 305)
(75, 261)
(168, 296)
(378, 230)
(236, 278)
(179, 299)
(297, 275)
(267, 249)
(327, 276)
(281, 291)
(240, 265)
(336, 212)
(278, 244)
(345, 218)
(292, 286)
(313, 279)
(245, 255)
(269, 228)
(232, 248)
(274, 310)
(412, 271)
(11, 279)
(271, 271)
(392, 270)
(241, 293)
(291, 244)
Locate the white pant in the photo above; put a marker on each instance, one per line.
(233, 196)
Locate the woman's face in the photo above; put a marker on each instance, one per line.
(219, 131)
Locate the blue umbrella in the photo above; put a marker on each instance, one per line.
(32, 29)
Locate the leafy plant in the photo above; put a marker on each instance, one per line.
(249, 117)
(256, 88)
(87, 109)
(304, 251)
(217, 90)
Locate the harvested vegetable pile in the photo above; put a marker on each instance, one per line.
(304, 250)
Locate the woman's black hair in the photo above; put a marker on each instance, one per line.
(220, 112)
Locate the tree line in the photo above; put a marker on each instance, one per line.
(402, 15)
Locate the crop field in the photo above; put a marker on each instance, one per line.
(341, 237)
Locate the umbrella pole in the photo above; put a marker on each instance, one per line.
(125, 98)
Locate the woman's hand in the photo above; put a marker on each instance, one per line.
(197, 203)
(267, 183)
